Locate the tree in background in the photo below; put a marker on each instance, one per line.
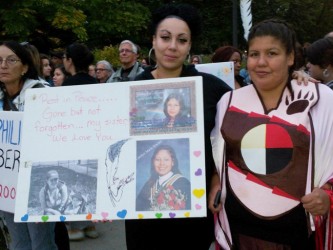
(51, 24)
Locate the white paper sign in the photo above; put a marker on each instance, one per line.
(10, 144)
(222, 70)
(91, 152)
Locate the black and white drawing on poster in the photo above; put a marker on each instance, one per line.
(115, 183)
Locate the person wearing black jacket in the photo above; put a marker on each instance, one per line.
(77, 59)
(174, 27)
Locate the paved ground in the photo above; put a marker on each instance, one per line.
(112, 237)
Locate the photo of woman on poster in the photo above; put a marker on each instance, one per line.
(176, 113)
(167, 188)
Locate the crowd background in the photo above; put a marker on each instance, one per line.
(51, 29)
(102, 25)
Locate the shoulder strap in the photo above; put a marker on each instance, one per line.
(39, 85)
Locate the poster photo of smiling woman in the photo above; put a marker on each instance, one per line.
(168, 187)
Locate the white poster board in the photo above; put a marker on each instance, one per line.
(100, 140)
(10, 148)
(222, 70)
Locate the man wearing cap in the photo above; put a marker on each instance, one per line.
(53, 196)
(130, 68)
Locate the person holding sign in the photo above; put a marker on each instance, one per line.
(53, 196)
(17, 74)
(272, 146)
(167, 188)
(174, 28)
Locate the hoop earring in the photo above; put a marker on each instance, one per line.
(326, 73)
(151, 56)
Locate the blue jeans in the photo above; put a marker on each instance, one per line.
(30, 236)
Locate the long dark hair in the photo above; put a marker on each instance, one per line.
(25, 57)
(81, 56)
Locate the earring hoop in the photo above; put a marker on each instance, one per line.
(326, 73)
(151, 56)
(189, 57)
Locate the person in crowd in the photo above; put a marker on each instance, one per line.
(147, 61)
(56, 58)
(276, 179)
(46, 68)
(17, 74)
(34, 53)
(54, 195)
(196, 59)
(174, 28)
(329, 34)
(59, 75)
(165, 181)
(92, 70)
(320, 60)
(77, 59)
(104, 71)
(61, 234)
(130, 67)
(144, 62)
(176, 113)
(231, 54)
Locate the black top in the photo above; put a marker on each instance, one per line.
(79, 79)
(189, 233)
(241, 80)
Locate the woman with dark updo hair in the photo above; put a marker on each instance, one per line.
(174, 27)
(77, 59)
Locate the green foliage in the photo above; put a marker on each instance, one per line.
(108, 53)
(18, 22)
(112, 21)
(71, 19)
(102, 22)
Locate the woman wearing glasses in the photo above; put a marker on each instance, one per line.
(103, 71)
(17, 74)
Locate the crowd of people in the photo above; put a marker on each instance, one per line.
(276, 192)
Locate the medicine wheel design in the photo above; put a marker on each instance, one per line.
(266, 143)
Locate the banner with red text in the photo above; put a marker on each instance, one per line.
(104, 152)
